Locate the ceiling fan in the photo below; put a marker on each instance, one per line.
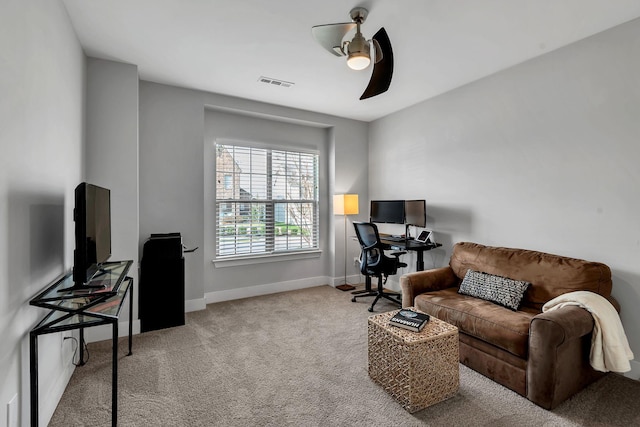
(358, 50)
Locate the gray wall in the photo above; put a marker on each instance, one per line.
(172, 183)
(220, 125)
(540, 156)
(111, 159)
(42, 74)
(171, 174)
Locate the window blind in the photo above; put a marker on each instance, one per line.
(266, 200)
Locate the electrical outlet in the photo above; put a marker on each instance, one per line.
(12, 412)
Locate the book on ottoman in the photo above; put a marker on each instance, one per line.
(409, 319)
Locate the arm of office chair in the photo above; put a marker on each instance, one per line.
(396, 259)
(399, 264)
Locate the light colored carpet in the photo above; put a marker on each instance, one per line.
(296, 358)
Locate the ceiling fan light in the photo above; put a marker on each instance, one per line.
(358, 61)
(358, 49)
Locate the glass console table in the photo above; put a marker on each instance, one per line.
(70, 308)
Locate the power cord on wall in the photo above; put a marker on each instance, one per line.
(75, 351)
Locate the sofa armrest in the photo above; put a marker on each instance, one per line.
(414, 284)
(558, 365)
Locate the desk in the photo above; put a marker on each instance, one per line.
(79, 309)
(411, 245)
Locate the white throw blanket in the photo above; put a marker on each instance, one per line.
(609, 346)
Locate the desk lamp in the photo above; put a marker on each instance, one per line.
(345, 204)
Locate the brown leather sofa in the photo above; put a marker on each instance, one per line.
(541, 356)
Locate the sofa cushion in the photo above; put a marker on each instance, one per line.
(550, 275)
(496, 325)
(501, 290)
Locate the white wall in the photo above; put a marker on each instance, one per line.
(42, 75)
(541, 156)
(172, 175)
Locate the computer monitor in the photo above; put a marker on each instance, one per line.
(415, 213)
(387, 211)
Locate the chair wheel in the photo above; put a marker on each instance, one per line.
(353, 299)
(370, 309)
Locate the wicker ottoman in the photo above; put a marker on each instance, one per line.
(418, 369)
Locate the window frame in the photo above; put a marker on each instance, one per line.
(271, 251)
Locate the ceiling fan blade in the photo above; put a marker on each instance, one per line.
(383, 69)
(330, 36)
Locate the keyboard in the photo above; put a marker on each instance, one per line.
(393, 238)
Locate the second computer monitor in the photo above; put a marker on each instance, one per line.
(415, 213)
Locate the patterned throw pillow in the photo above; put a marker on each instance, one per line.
(501, 290)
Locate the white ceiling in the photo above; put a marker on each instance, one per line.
(224, 46)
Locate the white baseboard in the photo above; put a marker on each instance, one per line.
(104, 332)
(48, 405)
(351, 280)
(270, 288)
(195, 304)
(634, 373)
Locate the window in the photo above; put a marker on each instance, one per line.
(266, 200)
(228, 181)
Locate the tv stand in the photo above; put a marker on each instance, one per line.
(72, 307)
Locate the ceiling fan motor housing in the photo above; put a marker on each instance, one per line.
(358, 46)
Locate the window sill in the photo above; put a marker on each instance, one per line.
(263, 259)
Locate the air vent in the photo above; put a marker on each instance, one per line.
(275, 82)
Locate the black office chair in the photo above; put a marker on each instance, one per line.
(374, 263)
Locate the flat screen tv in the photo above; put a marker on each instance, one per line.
(92, 216)
(387, 211)
(415, 213)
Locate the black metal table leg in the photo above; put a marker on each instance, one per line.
(81, 345)
(130, 316)
(114, 376)
(33, 370)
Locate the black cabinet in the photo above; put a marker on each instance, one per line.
(161, 299)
